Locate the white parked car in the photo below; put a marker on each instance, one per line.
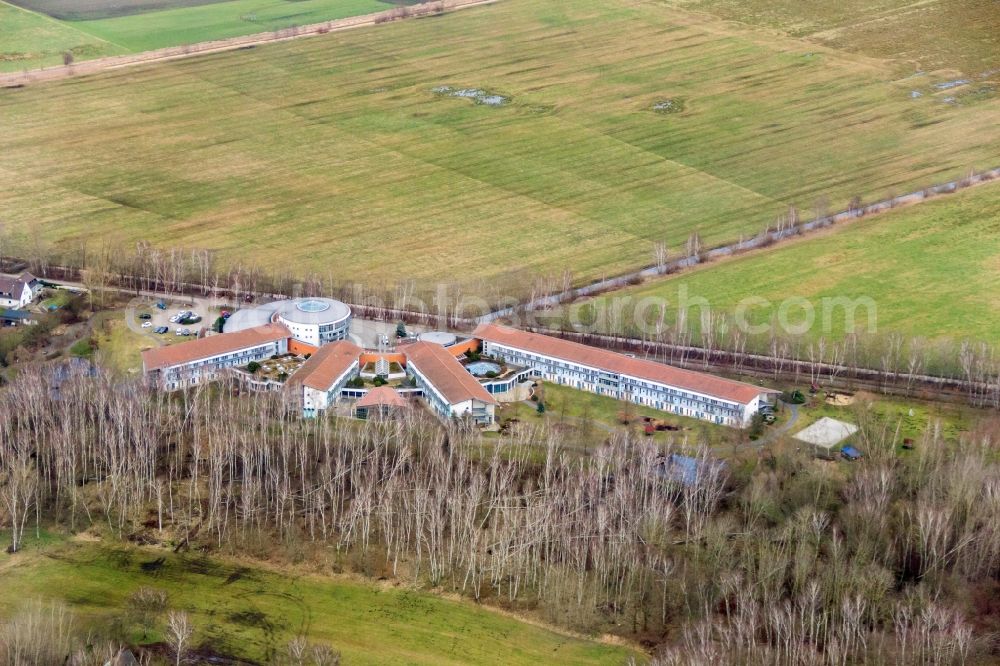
(179, 332)
(147, 324)
(174, 318)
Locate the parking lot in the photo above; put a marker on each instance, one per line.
(149, 319)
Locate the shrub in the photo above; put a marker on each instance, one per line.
(795, 397)
(253, 367)
(356, 382)
(379, 381)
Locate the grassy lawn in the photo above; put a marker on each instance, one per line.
(913, 417)
(289, 155)
(928, 35)
(29, 40)
(592, 417)
(931, 271)
(119, 347)
(249, 612)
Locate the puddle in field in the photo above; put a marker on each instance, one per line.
(669, 106)
(947, 85)
(477, 95)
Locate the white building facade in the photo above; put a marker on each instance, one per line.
(448, 389)
(17, 292)
(683, 392)
(191, 363)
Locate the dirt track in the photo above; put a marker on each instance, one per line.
(86, 67)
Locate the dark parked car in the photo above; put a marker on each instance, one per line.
(145, 315)
(161, 329)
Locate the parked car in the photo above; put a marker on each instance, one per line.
(186, 331)
(147, 324)
(145, 315)
(850, 453)
(174, 318)
(769, 419)
(160, 329)
(160, 305)
(179, 332)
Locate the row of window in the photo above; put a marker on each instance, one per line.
(648, 393)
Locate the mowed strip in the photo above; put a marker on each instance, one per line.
(333, 155)
(932, 271)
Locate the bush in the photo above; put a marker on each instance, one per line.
(540, 408)
(219, 323)
(400, 330)
(795, 397)
(356, 382)
(379, 381)
(253, 367)
(83, 348)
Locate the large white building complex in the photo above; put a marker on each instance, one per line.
(303, 344)
(314, 321)
(663, 387)
(189, 363)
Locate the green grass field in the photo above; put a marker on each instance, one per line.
(39, 34)
(219, 20)
(29, 40)
(927, 35)
(333, 155)
(931, 270)
(587, 419)
(248, 612)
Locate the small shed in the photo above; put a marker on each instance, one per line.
(824, 436)
(15, 317)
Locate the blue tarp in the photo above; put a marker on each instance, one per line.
(685, 469)
(850, 453)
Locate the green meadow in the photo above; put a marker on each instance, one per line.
(335, 156)
(29, 40)
(219, 20)
(36, 33)
(930, 271)
(252, 613)
(929, 35)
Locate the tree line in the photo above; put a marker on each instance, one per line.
(769, 559)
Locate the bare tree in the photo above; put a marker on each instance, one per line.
(179, 634)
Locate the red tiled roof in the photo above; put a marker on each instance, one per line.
(447, 375)
(566, 350)
(213, 345)
(381, 396)
(328, 363)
